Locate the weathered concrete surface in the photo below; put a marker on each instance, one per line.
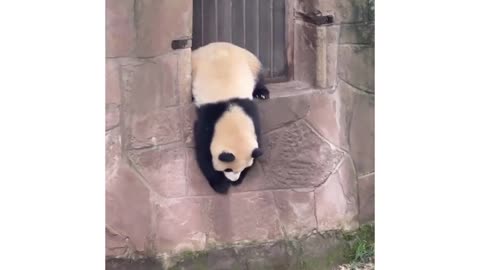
(112, 94)
(120, 28)
(310, 252)
(366, 193)
(362, 134)
(355, 66)
(305, 181)
(297, 157)
(163, 169)
(336, 200)
(128, 214)
(344, 11)
(159, 22)
(317, 173)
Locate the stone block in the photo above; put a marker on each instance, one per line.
(151, 83)
(112, 116)
(366, 194)
(279, 111)
(163, 169)
(120, 28)
(305, 52)
(159, 22)
(180, 223)
(357, 34)
(248, 216)
(296, 210)
(184, 76)
(336, 200)
(112, 94)
(186, 223)
(295, 156)
(112, 82)
(116, 245)
(156, 128)
(362, 133)
(189, 118)
(326, 56)
(329, 115)
(356, 66)
(272, 256)
(344, 11)
(322, 251)
(150, 92)
(128, 212)
(213, 259)
(113, 153)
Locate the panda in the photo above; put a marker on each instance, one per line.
(225, 79)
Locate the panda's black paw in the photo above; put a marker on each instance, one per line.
(261, 93)
(238, 182)
(221, 186)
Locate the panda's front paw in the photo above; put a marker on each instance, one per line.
(220, 186)
(238, 182)
(261, 93)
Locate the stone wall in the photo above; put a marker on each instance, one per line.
(318, 169)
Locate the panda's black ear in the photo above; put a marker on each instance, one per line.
(257, 152)
(226, 157)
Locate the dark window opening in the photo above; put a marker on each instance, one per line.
(257, 25)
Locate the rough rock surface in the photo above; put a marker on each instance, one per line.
(317, 173)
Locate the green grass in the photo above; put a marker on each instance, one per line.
(361, 245)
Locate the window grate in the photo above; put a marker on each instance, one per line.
(257, 25)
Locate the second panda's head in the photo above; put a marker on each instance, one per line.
(234, 145)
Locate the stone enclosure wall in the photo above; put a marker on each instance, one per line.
(318, 169)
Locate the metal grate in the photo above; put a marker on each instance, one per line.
(257, 25)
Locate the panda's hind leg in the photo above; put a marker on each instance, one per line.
(261, 91)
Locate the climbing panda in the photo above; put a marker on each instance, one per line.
(225, 79)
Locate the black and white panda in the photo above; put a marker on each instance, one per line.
(225, 79)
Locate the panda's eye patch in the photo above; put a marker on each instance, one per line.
(228, 170)
(226, 157)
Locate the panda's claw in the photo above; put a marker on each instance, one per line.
(261, 93)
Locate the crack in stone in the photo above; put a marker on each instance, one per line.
(332, 145)
(113, 127)
(114, 232)
(130, 249)
(366, 175)
(161, 147)
(356, 89)
(142, 179)
(357, 195)
(282, 227)
(315, 208)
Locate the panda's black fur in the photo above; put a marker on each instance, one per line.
(207, 116)
(236, 80)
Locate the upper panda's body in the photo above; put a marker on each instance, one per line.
(225, 79)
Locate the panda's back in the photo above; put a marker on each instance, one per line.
(222, 71)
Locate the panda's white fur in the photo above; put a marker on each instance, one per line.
(222, 71)
(225, 78)
(234, 133)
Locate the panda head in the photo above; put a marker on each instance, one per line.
(232, 165)
(234, 145)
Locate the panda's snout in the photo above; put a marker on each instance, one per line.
(232, 176)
